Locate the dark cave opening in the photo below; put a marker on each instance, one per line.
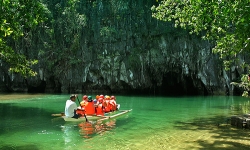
(175, 84)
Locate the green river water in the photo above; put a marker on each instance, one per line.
(154, 123)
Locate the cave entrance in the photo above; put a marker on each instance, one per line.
(175, 84)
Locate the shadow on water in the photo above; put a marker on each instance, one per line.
(222, 133)
(8, 110)
(16, 112)
(16, 118)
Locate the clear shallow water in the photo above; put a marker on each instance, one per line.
(154, 123)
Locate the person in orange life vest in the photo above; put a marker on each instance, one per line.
(100, 108)
(106, 104)
(85, 98)
(89, 107)
(84, 101)
(97, 97)
(113, 97)
(71, 107)
(96, 100)
(109, 103)
(101, 96)
(82, 105)
(113, 103)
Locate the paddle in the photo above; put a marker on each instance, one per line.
(84, 113)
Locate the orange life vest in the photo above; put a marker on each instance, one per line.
(107, 106)
(99, 110)
(83, 103)
(113, 105)
(90, 108)
(80, 112)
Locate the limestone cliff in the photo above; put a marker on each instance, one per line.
(117, 47)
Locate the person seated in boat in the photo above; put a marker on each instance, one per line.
(84, 101)
(113, 103)
(101, 96)
(85, 98)
(89, 107)
(83, 104)
(97, 97)
(106, 104)
(71, 107)
(99, 107)
(96, 100)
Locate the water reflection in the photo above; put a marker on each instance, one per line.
(67, 130)
(87, 130)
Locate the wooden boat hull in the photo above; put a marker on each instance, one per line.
(105, 117)
(82, 118)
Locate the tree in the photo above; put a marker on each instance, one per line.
(225, 23)
(62, 37)
(16, 17)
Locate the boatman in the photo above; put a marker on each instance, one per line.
(71, 107)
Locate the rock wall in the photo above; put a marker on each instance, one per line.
(119, 49)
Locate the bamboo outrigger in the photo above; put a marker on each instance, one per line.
(94, 117)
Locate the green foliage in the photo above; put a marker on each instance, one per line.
(244, 84)
(107, 31)
(16, 17)
(224, 22)
(17, 62)
(61, 41)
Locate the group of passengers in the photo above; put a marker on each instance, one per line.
(88, 106)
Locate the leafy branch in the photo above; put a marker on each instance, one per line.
(16, 17)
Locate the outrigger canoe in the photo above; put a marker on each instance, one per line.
(105, 117)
